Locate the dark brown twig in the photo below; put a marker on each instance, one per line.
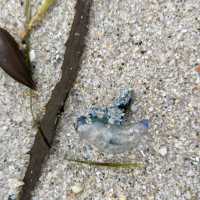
(71, 65)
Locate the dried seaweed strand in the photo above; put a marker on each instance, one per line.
(71, 64)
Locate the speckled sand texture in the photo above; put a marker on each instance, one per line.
(151, 46)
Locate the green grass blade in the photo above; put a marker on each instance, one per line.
(108, 164)
(27, 11)
(42, 10)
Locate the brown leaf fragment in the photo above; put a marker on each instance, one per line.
(12, 60)
(54, 108)
(197, 69)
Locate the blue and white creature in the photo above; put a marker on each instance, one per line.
(105, 128)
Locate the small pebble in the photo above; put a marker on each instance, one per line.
(32, 55)
(134, 108)
(188, 195)
(77, 188)
(12, 197)
(122, 197)
(163, 151)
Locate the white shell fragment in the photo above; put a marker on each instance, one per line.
(163, 151)
(32, 56)
(77, 188)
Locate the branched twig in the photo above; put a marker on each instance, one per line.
(40, 13)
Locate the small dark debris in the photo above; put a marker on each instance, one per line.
(138, 43)
(143, 51)
(21, 3)
(120, 68)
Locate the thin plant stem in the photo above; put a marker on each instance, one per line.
(42, 10)
(26, 39)
(108, 164)
(40, 13)
(27, 12)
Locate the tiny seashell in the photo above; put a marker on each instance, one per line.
(12, 60)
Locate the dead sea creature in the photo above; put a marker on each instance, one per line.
(105, 128)
(113, 138)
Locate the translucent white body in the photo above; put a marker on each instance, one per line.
(112, 138)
